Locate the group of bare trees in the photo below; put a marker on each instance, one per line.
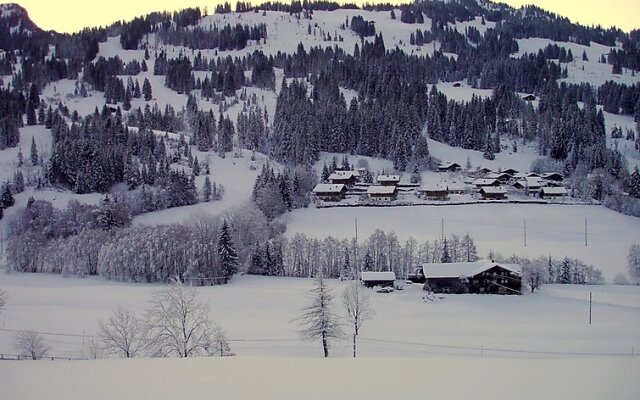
(318, 320)
(27, 343)
(176, 324)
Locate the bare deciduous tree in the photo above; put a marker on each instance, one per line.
(220, 345)
(93, 350)
(534, 273)
(123, 333)
(32, 344)
(317, 320)
(358, 308)
(178, 324)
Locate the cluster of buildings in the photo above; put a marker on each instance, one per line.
(483, 183)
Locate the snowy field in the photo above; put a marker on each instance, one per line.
(410, 343)
(556, 230)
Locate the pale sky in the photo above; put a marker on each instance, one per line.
(73, 15)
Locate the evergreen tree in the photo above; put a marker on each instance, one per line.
(206, 189)
(20, 158)
(226, 252)
(445, 257)
(34, 152)
(6, 198)
(146, 90)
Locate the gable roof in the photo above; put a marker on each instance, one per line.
(328, 188)
(388, 178)
(449, 164)
(468, 269)
(530, 182)
(432, 187)
(377, 276)
(493, 190)
(381, 189)
(485, 182)
(342, 175)
(559, 190)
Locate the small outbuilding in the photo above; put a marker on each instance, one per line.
(330, 192)
(383, 279)
(493, 193)
(472, 277)
(383, 193)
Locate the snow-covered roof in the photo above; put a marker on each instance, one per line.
(381, 190)
(497, 175)
(341, 175)
(328, 188)
(433, 187)
(448, 164)
(530, 182)
(468, 269)
(378, 276)
(485, 182)
(494, 190)
(388, 178)
(548, 175)
(559, 190)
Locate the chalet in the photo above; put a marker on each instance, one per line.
(372, 279)
(553, 192)
(472, 277)
(528, 183)
(484, 171)
(510, 171)
(383, 193)
(493, 193)
(501, 176)
(330, 191)
(484, 182)
(434, 192)
(552, 176)
(449, 167)
(347, 178)
(388, 180)
(456, 188)
(529, 97)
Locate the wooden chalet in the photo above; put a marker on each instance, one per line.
(456, 187)
(493, 193)
(529, 97)
(383, 279)
(330, 191)
(503, 177)
(382, 193)
(484, 182)
(510, 171)
(551, 193)
(449, 167)
(552, 176)
(487, 277)
(434, 192)
(347, 178)
(388, 180)
(484, 171)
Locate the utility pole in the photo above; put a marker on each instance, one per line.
(585, 233)
(525, 233)
(355, 250)
(589, 308)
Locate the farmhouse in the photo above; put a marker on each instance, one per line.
(483, 171)
(434, 192)
(383, 193)
(472, 277)
(388, 180)
(483, 182)
(384, 279)
(493, 193)
(449, 167)
(347, 178)
(553, 192)
(510, 171)
(456, 188)
(503, 177)
(330, 192)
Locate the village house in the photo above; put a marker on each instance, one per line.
(484, 276)
(382, 193)
(528, 183)
(456, 187)
(551, 193)
(484, 182)
(431, 191)
(493, 193)
(503, 177)
(484, 171)
(347, 178)
(388, 180)
(510, 171)
(383, 279)
(449, 167)
(329, 191)
(552, 176)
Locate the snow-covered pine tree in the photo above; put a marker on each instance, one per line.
(34, 152)
(226, 252)
(445, 257)
(206, 189)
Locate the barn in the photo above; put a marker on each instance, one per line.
(383, 279)
(484, 276)
(329, 192)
